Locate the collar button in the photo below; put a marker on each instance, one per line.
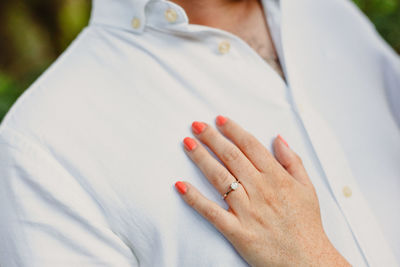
(224, 47)
(171, 15)
(135, 23)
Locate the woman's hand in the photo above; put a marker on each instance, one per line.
(274, 216)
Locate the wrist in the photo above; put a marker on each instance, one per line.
(327, 255)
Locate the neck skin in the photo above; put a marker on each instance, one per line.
(243, 18)
(223, 14)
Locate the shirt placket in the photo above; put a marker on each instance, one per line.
(343, 185)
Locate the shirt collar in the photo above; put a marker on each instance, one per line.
(136, 15)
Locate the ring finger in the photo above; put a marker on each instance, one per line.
(231, 156)
(216, 173)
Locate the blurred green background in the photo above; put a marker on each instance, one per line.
(34, 32)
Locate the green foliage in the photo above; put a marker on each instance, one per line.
(385, 14)
(72, 18)
(9, 92)
(34, 32)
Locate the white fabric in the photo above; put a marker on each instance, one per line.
(89, 154)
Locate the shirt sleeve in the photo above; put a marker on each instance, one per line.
(47, 218)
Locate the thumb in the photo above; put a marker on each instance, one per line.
(290, 160)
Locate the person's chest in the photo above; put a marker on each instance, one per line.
(134, 121)
(141, 92)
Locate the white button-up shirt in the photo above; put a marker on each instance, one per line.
(90, 153)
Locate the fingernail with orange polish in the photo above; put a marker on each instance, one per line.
(181, 187)
(221, 120)
(189, 143)
(283, 140)
(198, 127)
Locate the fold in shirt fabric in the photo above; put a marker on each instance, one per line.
(90, 152)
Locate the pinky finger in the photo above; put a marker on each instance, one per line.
(290, 161)
(223, 220)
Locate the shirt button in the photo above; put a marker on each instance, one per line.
(171, 15)
(347, 191)
(135, 23)
(224, 47)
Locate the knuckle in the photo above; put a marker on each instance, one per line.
(191, 200)
(222, 176)
(231, 154)
(271, 199)
(255, 215)
(268, 198)
(268, 168)
(212, 214)
(248, 143)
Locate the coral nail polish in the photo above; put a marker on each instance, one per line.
(198, 127)
(181, 187)
(221, 120)
(189, 143)
(283, 140)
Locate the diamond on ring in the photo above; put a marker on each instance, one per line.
(234, 185)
